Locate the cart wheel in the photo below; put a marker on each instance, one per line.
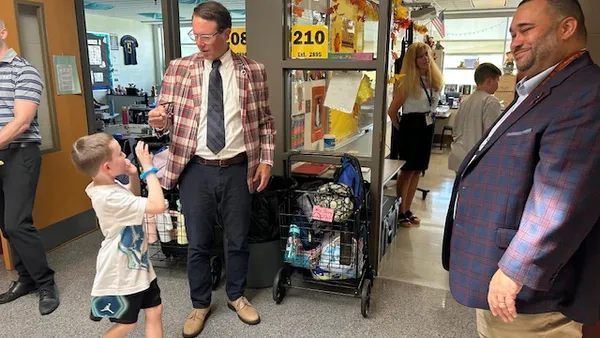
(216, 269)
(279, 285)
(365, 300)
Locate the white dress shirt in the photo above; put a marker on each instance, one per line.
(524, 88)
(234, 134)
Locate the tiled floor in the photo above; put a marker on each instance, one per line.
(415, 254)
(399, 307)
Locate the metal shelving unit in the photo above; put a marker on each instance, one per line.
(268, 25)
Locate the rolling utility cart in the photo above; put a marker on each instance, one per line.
(167, 236)
(325, 231)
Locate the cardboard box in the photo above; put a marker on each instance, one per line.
(507, 97)
(507, 83)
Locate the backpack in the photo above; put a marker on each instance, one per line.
(350, 174)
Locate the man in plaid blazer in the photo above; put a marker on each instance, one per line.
(215, 105)
(522, 234)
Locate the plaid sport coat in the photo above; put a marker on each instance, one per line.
(182, 85)
(529, 202)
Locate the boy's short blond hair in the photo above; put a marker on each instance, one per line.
(89, 152)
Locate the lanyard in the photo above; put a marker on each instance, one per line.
(429, 95)
(561, 65)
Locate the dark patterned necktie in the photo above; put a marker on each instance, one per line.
(215, 133)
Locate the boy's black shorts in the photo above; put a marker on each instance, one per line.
(125, 309)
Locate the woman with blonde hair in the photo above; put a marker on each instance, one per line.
(417, 94)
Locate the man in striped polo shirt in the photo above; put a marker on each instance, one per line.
(20, 160)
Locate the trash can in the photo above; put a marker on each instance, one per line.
(264, 239)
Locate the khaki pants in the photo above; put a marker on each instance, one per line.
(545, 325)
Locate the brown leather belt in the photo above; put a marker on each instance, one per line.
(237, 159)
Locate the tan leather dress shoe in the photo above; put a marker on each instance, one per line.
(195, 322)
(245, 311)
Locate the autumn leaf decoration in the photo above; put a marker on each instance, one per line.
(400, 13)
(298, 11)
(367, 9)
(401, 20)
(420, 29)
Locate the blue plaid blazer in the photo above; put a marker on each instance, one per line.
(529, 203)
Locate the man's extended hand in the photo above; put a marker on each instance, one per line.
(263, 173)
(501, 296)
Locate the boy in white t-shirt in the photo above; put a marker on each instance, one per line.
(125, 281)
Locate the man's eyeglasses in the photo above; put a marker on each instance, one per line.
(202, 37)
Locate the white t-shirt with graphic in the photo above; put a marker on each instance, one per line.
(122, 266)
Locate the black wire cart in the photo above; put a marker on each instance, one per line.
(167, 237)
(330, 257)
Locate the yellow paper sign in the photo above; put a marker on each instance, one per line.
(237, 40)
(310, 42)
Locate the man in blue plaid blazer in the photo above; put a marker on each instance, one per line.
(522, 235)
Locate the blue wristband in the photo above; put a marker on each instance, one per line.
(148, 172)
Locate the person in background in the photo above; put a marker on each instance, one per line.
(221, 152)
(522, 231)
(21, 89)
(417, 94)
(125, 281)
(476, 114)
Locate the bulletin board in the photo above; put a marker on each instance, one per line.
(99, 59)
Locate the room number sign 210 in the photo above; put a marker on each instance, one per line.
(310, 42)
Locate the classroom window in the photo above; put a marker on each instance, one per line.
(324, 117)
(34, 48)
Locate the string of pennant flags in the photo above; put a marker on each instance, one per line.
(475, 32)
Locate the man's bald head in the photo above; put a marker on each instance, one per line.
(2, 24)
(562, 9)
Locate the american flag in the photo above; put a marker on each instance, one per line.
(438, 22)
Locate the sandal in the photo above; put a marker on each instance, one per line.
(403, 221)
(412, 218)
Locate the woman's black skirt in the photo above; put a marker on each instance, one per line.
(416, 138)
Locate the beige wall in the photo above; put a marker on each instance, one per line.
(591, 8)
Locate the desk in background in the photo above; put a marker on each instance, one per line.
(116, 102)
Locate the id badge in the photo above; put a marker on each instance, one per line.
(428, 119)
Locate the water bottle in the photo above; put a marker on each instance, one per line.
(292, 245)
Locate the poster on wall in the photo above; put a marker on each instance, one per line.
(95, 55)
(348, 31)
(67, 79)
(318, 113)
(114, 42)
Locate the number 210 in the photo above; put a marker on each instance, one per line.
(319, 38)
